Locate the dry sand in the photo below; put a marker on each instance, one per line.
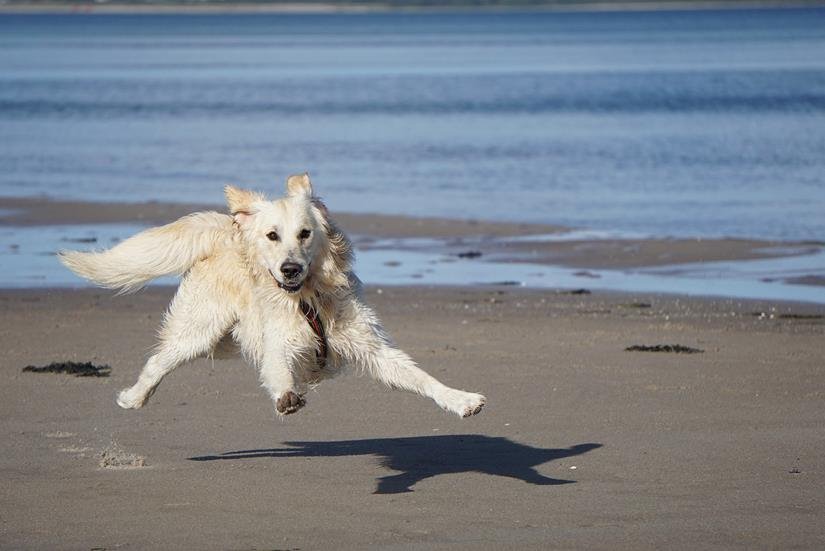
(583, 445)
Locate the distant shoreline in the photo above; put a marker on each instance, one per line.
(354, 7)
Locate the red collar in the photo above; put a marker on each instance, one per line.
(314, 321)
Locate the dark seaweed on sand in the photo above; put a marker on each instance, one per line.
(77, 369)
(801, 316)
(674, 348)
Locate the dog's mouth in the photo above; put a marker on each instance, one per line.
(289, 287)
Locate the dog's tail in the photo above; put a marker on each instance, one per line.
(165, 250)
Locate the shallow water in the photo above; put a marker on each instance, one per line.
(29, 254)
(669, 124)
(745, 280)
(32, 253)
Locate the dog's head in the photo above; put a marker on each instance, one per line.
(291, 239)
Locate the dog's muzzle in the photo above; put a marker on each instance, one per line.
(291, 280)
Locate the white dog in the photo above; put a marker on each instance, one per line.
(273, 279)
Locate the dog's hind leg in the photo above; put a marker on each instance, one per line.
(396, 369)
(364, 343)
(197, 319)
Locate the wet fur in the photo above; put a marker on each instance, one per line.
(236, 295)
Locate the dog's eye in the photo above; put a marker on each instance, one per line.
(304, 234)
(272, 236)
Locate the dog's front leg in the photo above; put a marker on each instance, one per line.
(277, 373)
(364, 343)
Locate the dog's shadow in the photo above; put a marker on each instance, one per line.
(421, 457)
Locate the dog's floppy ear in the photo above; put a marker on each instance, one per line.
(319, 204)
(240, 201)
(299, 184)
(336, 265)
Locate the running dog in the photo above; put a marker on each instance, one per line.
(272, 280)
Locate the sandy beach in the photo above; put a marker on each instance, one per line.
(582, 445)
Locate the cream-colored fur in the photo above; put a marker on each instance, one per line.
(243, 277)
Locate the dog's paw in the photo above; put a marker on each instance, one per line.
(463, 403)
(289, 402)
(128, 399)
(473, 405)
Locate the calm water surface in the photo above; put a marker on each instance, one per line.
(670, 123)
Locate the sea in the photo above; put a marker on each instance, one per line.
(695, 123)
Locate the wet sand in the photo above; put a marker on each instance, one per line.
(497, 240)
(583, 444)
(41, 211)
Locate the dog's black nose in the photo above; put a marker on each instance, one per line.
(291, 270)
